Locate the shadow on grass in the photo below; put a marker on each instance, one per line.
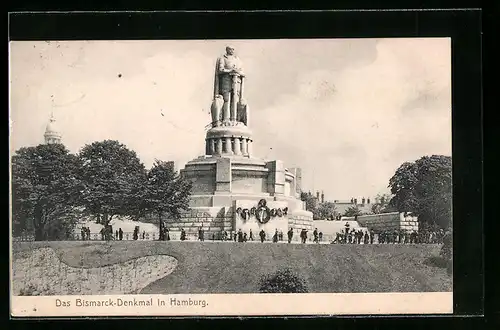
(439, 262)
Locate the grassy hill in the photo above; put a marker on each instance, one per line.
(223, 267)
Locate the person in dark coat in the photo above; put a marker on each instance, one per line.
(290, 235)
(201, 234)
(167, 234)
(275, 236)
(120, 234)
(315, 235)
(183, 234)
(240, 236)
(244, 237)
(262, 235)
(250, 236)
(320, 236)
(367, 238)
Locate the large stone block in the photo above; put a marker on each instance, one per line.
(223, 175)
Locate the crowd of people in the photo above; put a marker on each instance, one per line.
(346, 236)
(360, 236)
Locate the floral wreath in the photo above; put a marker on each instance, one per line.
(263, 217)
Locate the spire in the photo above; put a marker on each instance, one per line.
(52, 135)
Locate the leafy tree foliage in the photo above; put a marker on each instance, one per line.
(114, 178)
(283, 281)
(45, 191)
(381, 204)
(311, 203)
(325, 210)
(424, 187)
(165, 193)
(353, 211)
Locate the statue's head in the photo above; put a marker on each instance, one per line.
(219, 97)
(230, 50)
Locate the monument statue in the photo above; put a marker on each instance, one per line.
(228, 85)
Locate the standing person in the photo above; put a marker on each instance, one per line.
(320, 235)
(183, 234)
(201, 234)
(120, 234)
(143, 234)
(167, 234)
(367, 238)
(224, 236)
(102, 233)
(244, 237)
(235, 236)
(262, 235)
(315, 235)
(116, 234)
(240, 236)
(83, 233)
(275, 236)
(250, 236)
(372, 236)
(290, 235)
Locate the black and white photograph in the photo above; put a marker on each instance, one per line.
(183, 169)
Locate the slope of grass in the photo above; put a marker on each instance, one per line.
(237, 267)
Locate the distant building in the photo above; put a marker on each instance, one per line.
(342, 205)
(52, 134)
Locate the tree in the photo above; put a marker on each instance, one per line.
(166, 193)
(45, 190)
(283, 281)
(114, 178)
(353, 211)
(424, 187)
(311, 202)
(325, 210)
(381, 204)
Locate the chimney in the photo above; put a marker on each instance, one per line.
(356, 201)
(368, 201)
(322, 197)
(363, 201)
(317, 195)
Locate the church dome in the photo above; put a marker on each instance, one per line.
(52, 134)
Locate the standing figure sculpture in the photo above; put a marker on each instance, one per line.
(229, 85)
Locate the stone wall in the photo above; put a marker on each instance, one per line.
(387, 221)
(212, 219)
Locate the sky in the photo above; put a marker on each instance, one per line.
(348, 112)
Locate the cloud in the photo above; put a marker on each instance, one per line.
(348, 112)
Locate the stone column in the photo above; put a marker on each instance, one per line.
(228, 145)
(244, 147)
(212, 146)
(219, 146)
(237, 146)
(249, 147)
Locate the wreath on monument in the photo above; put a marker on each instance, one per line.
(263, 213)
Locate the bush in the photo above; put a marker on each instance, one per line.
(283, 281)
